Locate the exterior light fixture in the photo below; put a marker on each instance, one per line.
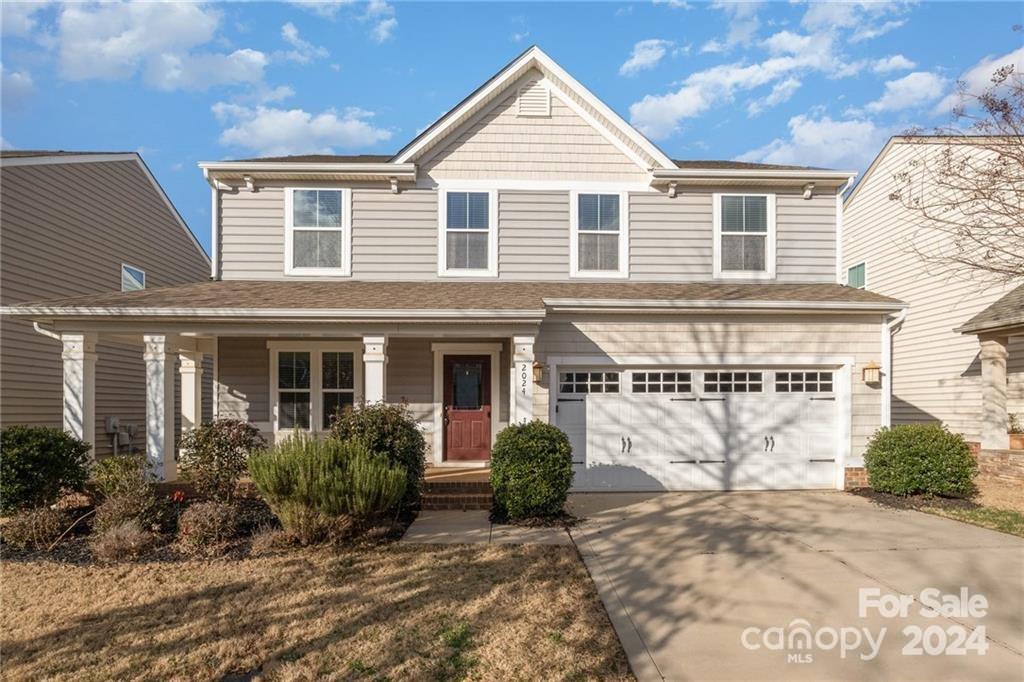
(808, 190)
(872, 373)
(538, 372)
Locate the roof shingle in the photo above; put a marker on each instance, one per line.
(1005, 312)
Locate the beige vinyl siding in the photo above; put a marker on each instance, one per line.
(243, 379)
(805, 237)
(670, 239)
(714, 337)
(533, 235)
(252, 234)
(936, 371)
(394, 236)
(66, 230)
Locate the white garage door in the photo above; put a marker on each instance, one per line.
(700, 429)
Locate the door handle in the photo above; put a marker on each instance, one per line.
(766, 443)
(623, 445)
(629, 444)
(773, 444)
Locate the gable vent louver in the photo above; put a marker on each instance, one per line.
(534, 100)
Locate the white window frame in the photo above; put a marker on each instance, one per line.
(769, 256)
(442, 234)
(574, 237)
(346, 233)
(133, 267)
(846, 276)
(316, 349)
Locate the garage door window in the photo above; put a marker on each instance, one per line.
(803, 382)
(581, 383)
(733, 382)
(662, 382)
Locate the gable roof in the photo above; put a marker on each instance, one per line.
(532, 58)
(1007, 311)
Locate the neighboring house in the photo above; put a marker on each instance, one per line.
(72, 224)
(937, 371)
(529, 255)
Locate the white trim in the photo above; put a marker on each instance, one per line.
(629, 304)
(285, 313)
(769, 257)
(346, 233)
(839, 230)
(843, 385)
(405, 171)
(442, 232)
(214, 230)
(137, 269)
(315, 350)
(517, 184)
(442, 349)
(753, 173)
(574, 239)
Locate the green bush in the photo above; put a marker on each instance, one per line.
(913, 459)
(214, 456)
(318, 487)
(37, 463)
(34, 528)
(391, 431)
(121, 475)
(531, 470)
(206, 527)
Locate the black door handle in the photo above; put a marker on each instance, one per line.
(629, 444)
(623, 445)
(766, 443)
(773, 444)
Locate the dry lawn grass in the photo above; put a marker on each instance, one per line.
(400, 612)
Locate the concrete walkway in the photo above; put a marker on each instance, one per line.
(686, 576)
(471, 527)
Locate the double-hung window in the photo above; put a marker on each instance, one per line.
(468, 242)
(317, 231)
(313, 381)
(744, 227)
(600, 236)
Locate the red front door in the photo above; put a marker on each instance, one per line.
(467, 407)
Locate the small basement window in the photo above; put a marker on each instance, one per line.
(132, 278)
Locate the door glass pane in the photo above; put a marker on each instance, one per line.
(338, 371)
(467, 386)
(294, 410)
(292, 370)
(334, 403)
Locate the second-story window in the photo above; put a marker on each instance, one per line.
(599, 236)
(744, 235)
(317, 239)
(132, 278)
(468, 243)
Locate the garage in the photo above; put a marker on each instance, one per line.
(731, 428)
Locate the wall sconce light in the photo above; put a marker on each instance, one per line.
(808, 190)
(250, 183)
(538, 372)
(672, 190)
(872, 373)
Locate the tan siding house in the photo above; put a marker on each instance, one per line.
(936, 371)
(528, 256)
(108, 211)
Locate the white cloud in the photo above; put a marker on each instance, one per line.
(646, 55)
(674, 4)
(913, 90)
(743, 25)
(270, 131)
(18, 18)
(518, 37)
(16, 86)
(848, 144)
(201, 71)
(328, 9)
(302, 50)
(5, 144)
(382, 15)
(896, 62)
(869, 32)
(860, 18)
(781, 92)
(979, 77)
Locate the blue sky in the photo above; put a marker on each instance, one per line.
(786, 82)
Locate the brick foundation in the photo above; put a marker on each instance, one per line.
(855, 477)
(1006, 465)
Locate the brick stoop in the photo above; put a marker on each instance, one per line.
(459, 496)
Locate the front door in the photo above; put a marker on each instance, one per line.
(467, 407)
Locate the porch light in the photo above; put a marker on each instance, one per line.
(538, 372)
(872, 373)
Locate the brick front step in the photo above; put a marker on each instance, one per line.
(457, 488)
(458, 502)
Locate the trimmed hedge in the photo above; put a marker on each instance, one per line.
(531, 470)
(37, 463)
(912, 459)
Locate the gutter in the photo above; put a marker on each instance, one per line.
(47, 332)
(624, 305)
(666, 174)
(269, 313)
(405, 171)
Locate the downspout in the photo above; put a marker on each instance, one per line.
(214, 236)
(839, 230)
(47, 332)
(889, 330)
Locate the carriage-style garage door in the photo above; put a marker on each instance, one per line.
(700, 429)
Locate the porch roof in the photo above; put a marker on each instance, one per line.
(1007, 313)
(463, 299)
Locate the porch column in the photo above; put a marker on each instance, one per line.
(79, 358)
(375, 362)
(522, 379)
(160, 406)
(994, 419)
(191, 369)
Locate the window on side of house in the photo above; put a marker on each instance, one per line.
(316, 231)
(744, 236)
(132, 278)
(857, 276)
(599, 236)
(313, 384)
(467, 235)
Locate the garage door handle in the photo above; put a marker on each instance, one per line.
(766, 443)
(683, 400)
(575, 462)
(629, 444)
(711, 461)
(623, 445)
(570, 400)
(773, 444)
(683, 461)
(821, 460)
(813, 398)
(708, 400)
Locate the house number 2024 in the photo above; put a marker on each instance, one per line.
(524, 377)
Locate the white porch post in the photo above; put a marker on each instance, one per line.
(994, 418)
(79, 358)
(160, 406)
(375, 362)
(522, 379)
(191, 369)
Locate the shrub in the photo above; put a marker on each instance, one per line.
(34, 528)
(270, 540)
(531, 470)
(391, 431)
(920, 458)
(37, 463)
(213, 457)
(127, 540)
(121, 475)
(1016, 423)
(206, 527)
(152, 513)
(316, 487)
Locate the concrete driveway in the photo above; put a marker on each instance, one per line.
(708, 586)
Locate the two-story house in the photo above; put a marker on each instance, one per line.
(530, 255)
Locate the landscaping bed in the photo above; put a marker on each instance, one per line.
(389, 611)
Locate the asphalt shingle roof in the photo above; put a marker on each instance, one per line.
(1005, 312)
